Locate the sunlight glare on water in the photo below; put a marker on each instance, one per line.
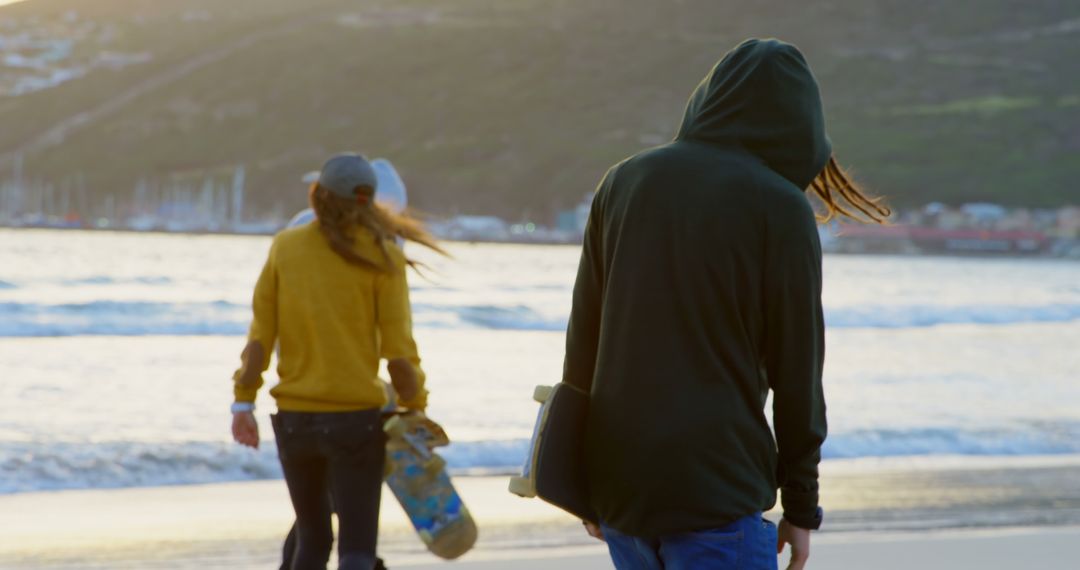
(116, 352)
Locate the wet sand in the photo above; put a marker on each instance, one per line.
(880, 515)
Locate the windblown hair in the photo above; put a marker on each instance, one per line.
(842, 197)
(338, 218)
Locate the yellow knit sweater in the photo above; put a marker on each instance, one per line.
(333, 321)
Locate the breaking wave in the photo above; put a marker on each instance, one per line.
(44, 466)
(933, 315)
(141, 318)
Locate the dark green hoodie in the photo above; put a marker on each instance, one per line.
(699, 290)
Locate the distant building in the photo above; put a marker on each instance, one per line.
(473, 228)
(575, 220)
(1068, 223)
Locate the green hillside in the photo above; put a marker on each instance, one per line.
(516, 107)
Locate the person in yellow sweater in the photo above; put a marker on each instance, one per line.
(334, 298)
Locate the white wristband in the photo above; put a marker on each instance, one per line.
(240, 407)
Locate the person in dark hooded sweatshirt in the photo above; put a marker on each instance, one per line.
(699, 290)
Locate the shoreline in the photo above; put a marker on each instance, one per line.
(844, 468)
(1002, 549)
(260, 234)
(241, 525)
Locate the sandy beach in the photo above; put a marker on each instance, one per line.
(966, 516)
(1006, 549)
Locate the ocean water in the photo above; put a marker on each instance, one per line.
(116, 352)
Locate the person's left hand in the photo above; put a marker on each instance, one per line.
(799, 539)
(245, 430)
(594, 531)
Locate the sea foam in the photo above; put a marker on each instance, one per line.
(142, 318)
(41, 466)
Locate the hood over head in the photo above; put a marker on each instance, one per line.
(763, 97)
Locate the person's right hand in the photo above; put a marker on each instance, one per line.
(799, 539)
(245, 430)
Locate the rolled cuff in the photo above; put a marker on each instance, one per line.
(245, 392)
(801, 508)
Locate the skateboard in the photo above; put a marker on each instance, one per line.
(417, 476)
(554, 470)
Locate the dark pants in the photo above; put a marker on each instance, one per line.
(334, 457)
(288, 550)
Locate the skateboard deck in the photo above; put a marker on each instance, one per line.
(554, 470)
(417, 476)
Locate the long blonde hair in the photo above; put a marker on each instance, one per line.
(338, 217)
(835, 188)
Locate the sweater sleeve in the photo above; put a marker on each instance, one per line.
(583, 330)
(394, 318)
(262, 335)
(795, 352)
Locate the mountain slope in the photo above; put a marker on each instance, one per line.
(517, 107)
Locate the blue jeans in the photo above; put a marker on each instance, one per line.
(746, 544)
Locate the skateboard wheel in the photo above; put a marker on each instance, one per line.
(542, 393)
(426, 537)
(395, 427)
(522, 487)
(436, 463)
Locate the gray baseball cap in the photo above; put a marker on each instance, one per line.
(343, 173)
